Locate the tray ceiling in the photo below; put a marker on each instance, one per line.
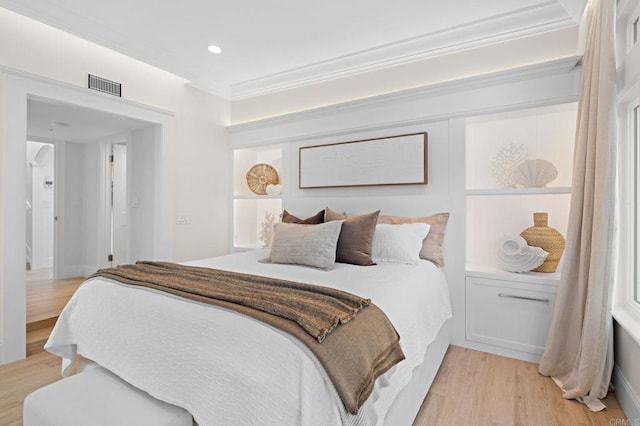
(272, 46)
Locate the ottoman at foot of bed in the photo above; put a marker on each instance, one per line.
(98, 397)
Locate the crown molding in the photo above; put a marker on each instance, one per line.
(555, 67)
(575, 9)
(548, 16)
(213, 88)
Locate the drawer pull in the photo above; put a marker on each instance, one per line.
(534, 299)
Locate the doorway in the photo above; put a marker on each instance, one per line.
(155, 211)
(63, 182)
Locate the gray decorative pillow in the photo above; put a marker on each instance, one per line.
(309, 245)
(356, 237)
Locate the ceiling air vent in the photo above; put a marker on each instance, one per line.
(105, 86)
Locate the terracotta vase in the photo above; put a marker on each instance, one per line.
(548, 239)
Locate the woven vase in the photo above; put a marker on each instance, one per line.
(548, 239)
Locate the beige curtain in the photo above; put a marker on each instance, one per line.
(579, 351)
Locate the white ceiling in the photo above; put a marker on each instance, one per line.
(270, 46)
(85, 125)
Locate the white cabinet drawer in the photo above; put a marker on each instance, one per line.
(509, 314)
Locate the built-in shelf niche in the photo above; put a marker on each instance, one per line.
(495, 212)
(250, 210)
(545, 133)
(249, 216)
(244, 159)
(491, 219)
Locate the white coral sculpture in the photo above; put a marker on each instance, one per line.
(266, 229)
(507, 159)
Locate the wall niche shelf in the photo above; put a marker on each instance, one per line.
(520, 191)
(250, 211)
(257, 197)
(509, 313)
(543, 278)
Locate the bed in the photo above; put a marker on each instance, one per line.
(227, 368)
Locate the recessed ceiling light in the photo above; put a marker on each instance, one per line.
(214, 49)
(56, 124)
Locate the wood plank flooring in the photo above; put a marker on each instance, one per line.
(19, 379)
(472, 389)
(477, 388)
(46, 298)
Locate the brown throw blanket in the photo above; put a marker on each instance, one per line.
(352, 338)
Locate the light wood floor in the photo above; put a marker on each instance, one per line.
(477, 388)
(45, 296)
(472, 389)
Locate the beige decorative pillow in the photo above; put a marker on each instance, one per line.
(432, 245)
(356, 237)
(309, 245)
(313, 220)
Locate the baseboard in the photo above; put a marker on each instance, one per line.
(497, 350)
(626, 396)
(72, 271)
(88, 270)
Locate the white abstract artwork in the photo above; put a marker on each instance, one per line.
(396, 160)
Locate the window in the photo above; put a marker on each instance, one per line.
(633, 140)
(626, 309)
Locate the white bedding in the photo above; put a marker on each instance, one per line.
(229, 369)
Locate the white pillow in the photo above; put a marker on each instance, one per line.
(399, 243)
(309, 245)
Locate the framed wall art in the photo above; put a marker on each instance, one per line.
(394, 160)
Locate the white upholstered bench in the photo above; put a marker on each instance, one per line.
(98, 397)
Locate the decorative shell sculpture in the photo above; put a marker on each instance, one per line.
(260, 176)
(274, 189)
(514, 255)
(534, 173)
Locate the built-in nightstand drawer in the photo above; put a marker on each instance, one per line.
(509, 314)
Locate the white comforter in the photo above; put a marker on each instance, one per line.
(229, 369)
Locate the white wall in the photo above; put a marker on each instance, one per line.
(192, 132)
(73, 233)
(200, 190)
(142, 181)
(91, 201)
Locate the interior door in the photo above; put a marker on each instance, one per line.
(119, 219)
